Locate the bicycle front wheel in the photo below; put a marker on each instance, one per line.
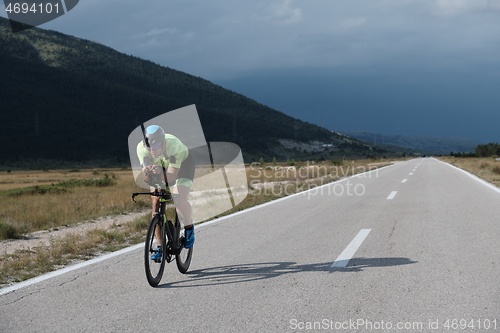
(183, 259)
(154, 266)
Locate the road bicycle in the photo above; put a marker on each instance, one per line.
(172, 240)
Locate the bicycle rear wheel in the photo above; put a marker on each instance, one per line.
(183, 259)
(154, 268)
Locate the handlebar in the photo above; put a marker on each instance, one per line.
(156, 193)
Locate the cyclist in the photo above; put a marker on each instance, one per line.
(166, 152)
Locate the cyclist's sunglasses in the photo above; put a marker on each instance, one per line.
(155, 146)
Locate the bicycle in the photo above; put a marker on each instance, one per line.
(172, 240)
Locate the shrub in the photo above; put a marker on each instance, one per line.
(337, 161)
(43, 189)
(62, 187)
(141, 223)
(8, 231)
(483, 165)
(112, 175)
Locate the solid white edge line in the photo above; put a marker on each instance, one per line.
(392, 195)
(482, 181)
(68, 269)
(137, 246)
(346, 255)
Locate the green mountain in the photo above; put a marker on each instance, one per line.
(69, 99)
(424, 144)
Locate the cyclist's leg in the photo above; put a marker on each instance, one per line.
(182, 187)
(182, 204)
(184, 210)
(155, 202)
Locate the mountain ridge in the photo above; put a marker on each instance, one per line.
(425, 144)
(72, 99)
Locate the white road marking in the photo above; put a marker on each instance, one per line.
(68, 269)
(350, 250)
(411, 173)
(404, 180)
(482, 181)
(392, 195)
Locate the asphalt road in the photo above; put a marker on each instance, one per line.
(427, 260)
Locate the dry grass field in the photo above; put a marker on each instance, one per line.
(37, 200)
(486, 168)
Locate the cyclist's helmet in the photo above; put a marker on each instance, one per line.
(155, 136)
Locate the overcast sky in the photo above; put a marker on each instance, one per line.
(427, 67)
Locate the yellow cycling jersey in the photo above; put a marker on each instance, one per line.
(175, 153)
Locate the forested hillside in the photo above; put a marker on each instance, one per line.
(64, 98)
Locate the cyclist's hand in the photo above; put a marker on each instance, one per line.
(146, 170)
(155, 169)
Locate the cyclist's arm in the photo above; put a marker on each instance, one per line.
(172, 173)
(177, 155)
(144, 159)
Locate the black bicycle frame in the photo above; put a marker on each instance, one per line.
(171, 230)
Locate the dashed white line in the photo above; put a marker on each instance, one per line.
(411, 173)
(346, 255)
(392, 195)
(404, 180)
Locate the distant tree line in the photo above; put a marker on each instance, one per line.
(462, 154)
(491, 149)
(488, 150)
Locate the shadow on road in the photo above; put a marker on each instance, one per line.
(258, 271)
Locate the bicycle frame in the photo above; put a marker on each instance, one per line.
(172, 231)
